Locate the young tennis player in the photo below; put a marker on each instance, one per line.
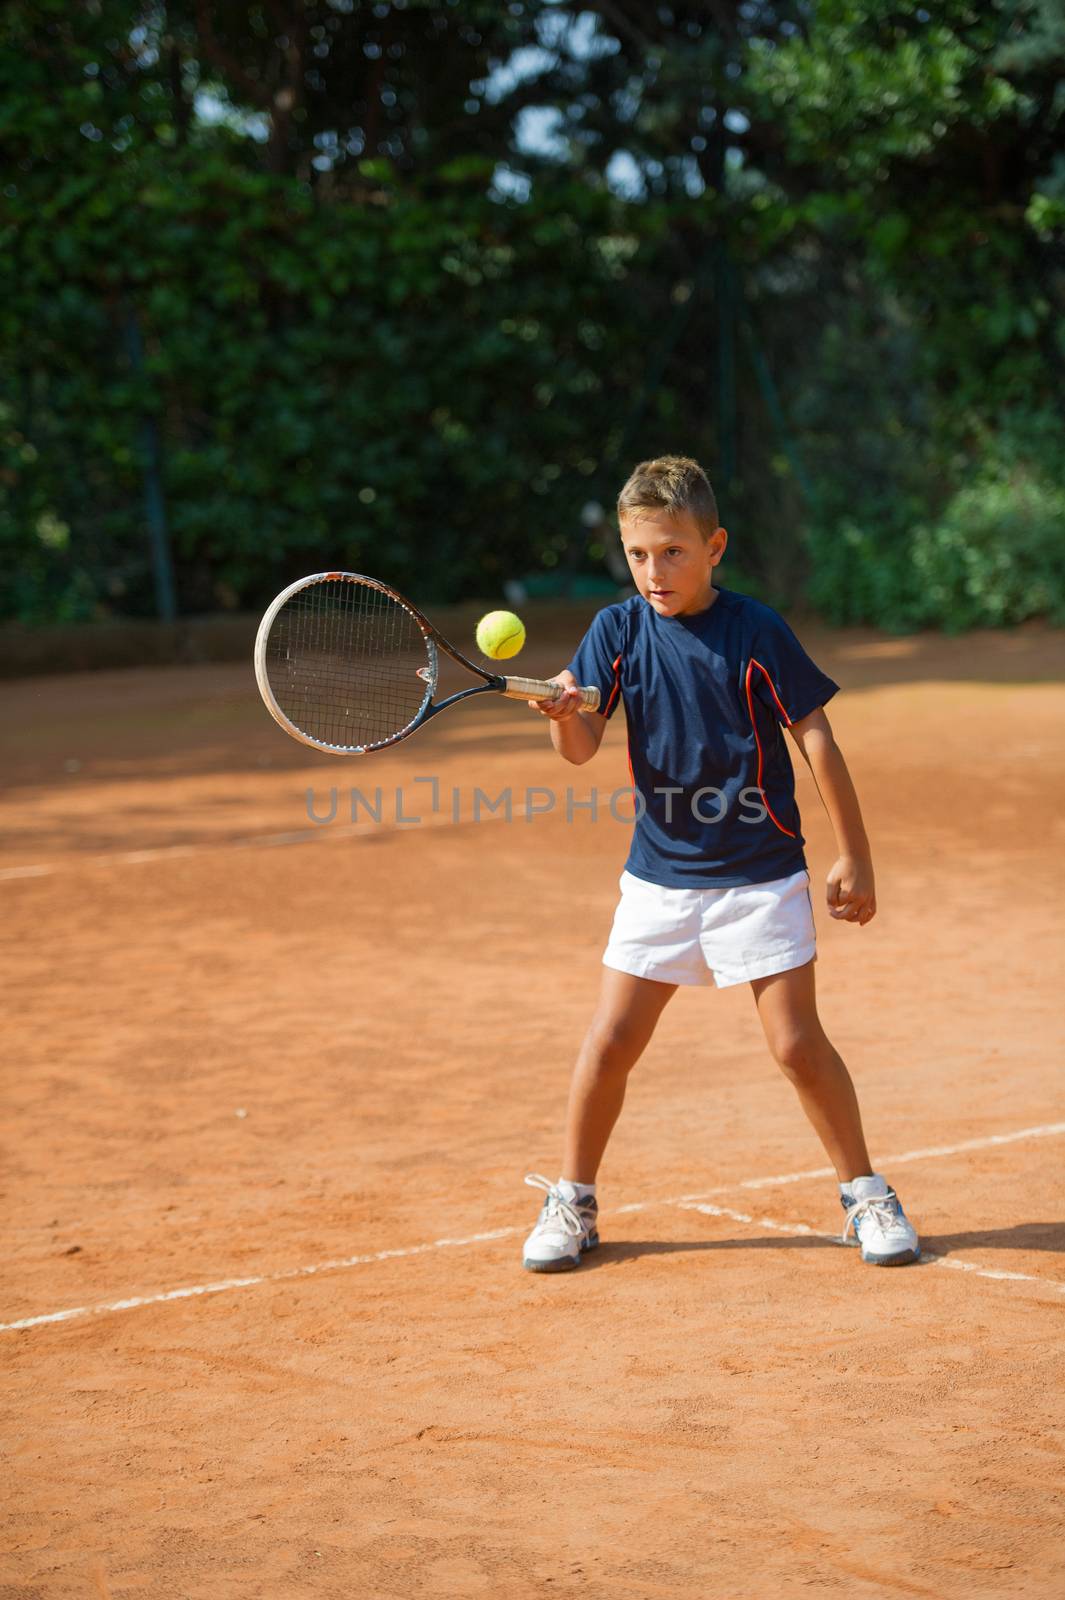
(715, 889)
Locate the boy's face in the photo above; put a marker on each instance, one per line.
(672, 565)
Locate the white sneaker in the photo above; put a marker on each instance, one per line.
(564, 1229)
(881, 1227)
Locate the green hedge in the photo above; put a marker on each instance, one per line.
(427, 389)
(993, 558)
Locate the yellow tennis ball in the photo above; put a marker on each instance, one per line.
(500, 635)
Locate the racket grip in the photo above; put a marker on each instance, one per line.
(539, 689)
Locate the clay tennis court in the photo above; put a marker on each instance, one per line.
(272, 1088)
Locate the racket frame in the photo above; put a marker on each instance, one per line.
(494, 682)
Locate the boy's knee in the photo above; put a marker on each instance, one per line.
(611, 1045)
(800, 1052)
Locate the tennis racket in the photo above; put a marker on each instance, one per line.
(346, 665)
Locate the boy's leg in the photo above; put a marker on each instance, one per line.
(787, 1007)
(620, 1031)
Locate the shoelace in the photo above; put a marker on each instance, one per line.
(884, 1208)
(556, 1205)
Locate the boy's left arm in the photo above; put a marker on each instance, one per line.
(851, 889)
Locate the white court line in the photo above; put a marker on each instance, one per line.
(246, 1283)
(682, 1202)
(323, 832)
(989, 1140)
(913, 1155)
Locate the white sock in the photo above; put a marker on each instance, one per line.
(574, 1191)
(872, 1185)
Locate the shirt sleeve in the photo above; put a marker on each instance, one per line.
(597, 659)
(782, 675)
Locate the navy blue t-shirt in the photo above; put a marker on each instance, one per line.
(705, 698)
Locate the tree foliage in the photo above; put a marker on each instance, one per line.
(414, 281)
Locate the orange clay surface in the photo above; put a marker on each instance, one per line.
(239, 1046)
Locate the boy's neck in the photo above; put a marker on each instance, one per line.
(698, 611)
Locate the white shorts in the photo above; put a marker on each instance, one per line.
(718, 936)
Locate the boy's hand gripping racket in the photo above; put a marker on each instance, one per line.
(346, 665)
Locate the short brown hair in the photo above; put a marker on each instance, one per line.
(672, 484)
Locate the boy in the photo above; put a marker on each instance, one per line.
(715, 889)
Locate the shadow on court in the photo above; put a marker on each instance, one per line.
(1048, 1236)
(1022, 1236)
(610, 1255)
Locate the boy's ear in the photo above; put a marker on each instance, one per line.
(720, 537)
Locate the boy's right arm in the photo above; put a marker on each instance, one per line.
(575, 734)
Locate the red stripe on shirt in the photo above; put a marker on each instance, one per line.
(772, 690)
(761, 758)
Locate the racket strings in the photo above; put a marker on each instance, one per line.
(343, 661)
